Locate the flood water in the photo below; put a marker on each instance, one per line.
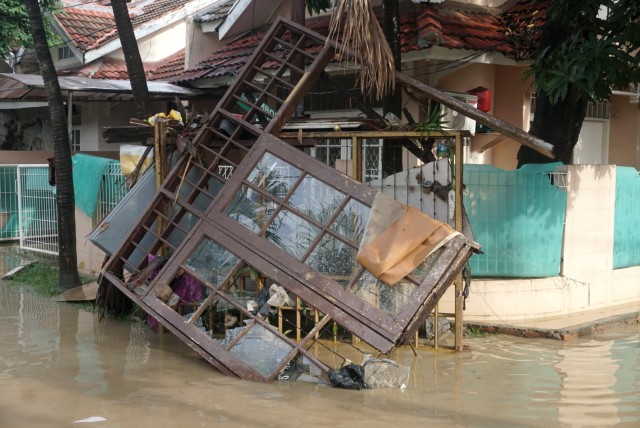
(60, 367)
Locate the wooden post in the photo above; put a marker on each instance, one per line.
(356, 158)
(459, 163)
(160, 152)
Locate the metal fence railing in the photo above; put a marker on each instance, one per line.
(28, 210)
(112, 190)
(9, 226)
(38, 217)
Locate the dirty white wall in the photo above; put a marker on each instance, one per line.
(25, 129)
(90, 257)
(159, 45)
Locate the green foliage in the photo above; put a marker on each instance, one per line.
(15, 31)
(317, 6)
(590, 52)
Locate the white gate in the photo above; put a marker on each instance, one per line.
(37, 210)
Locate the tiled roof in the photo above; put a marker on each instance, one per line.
(169, 68)
(88, 28)
(512, 32)
(218, 12)
(91, 25)
(117, 69)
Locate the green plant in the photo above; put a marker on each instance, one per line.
(433, 122)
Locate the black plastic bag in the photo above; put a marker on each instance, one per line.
(350, 376)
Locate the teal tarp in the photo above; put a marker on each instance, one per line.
(87, 179)
(517, 217)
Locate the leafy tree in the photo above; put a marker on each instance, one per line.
(15, 31)
(584, 52)
(67, 257)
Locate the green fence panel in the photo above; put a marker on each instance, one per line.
(518, 218)
(8, 203)
(626, 226)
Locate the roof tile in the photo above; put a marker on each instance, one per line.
(512, 32)
(92, 25)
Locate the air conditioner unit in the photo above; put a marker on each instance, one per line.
(455, 121)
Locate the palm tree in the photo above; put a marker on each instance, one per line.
(67, 257)
(135, 69)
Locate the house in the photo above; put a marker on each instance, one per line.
(90, 49)
(455, 46)
(458, 47)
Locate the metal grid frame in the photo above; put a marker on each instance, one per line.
(38, 214)
(188, 218)
(9, 221)
(112, 189)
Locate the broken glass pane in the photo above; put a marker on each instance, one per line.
(428, 264)
(250, 208)
(210, 262)
(351, 222)
(334, 259)
(291, 233)
(261, 349)
(274, 175)
(316, 199)
(391, 299)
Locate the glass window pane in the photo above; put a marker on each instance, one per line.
(378, 294)
(210, 262)
(427, 264)
(316, 199)
(250, 208)
(291, 233)
(351, 222)
(274, 175)
(261, 349)
(334, 259)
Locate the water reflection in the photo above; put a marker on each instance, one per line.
(58, 365)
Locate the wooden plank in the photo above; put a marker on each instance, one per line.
(493, 122)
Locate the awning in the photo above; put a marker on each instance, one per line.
(30, 87)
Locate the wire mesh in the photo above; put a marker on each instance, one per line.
(112, 189)
(8, 204)
(38, 215)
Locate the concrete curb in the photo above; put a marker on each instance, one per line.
(568, 333)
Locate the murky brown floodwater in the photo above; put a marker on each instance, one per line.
(58, 365)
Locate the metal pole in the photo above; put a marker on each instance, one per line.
(70, 117)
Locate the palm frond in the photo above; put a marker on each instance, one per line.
(364, 44)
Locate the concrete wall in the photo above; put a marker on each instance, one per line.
(624, 137)
(90, 257)
(588, 287)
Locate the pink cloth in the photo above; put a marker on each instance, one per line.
(187, 287)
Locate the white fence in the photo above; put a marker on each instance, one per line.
(9, 224)
(28, 210)
(38, 217)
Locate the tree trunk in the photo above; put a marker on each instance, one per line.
(67, 257)
(392, 103)
(135, 69)
(558, 124)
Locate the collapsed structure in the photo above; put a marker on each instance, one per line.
(247, 234)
